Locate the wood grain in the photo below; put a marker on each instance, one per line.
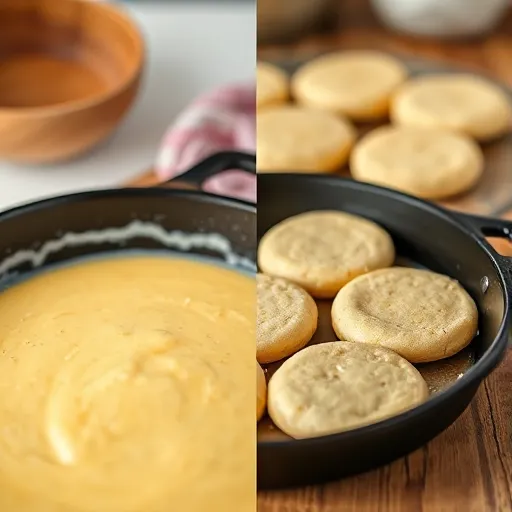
(468, 468)
(69, 71)
(147, 178)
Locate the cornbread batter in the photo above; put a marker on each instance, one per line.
(127, 385)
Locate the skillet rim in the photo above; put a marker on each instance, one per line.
(475, 375)
(47, 202)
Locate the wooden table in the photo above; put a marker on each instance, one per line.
(468, 468)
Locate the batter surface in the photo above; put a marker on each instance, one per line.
(127, 385)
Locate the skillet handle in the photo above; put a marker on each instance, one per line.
(213, 165)
(498, 228)
(487, 226)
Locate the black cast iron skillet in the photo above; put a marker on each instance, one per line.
(449, 243)
(47, 223)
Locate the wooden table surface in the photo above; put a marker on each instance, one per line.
(468, 468)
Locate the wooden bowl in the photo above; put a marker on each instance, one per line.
(69, 71)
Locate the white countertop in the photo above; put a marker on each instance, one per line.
(191, 47)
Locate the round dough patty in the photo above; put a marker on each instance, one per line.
(421, 315)
(294, 139)
(287, 318)
(322, 251)
(272, 85)
(338, 386)
(358, 84)
(261, 392)
(428, 163)
(460, 102)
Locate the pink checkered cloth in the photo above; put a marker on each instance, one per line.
(224, 119)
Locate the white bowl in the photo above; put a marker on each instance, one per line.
(441, 18)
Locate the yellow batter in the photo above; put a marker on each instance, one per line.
(127, 385)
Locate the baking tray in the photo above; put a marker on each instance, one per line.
(493, 194)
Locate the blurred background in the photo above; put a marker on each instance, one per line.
(191, 47)
(472, 32)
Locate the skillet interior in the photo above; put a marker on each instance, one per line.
(427, 236)
(30, 227)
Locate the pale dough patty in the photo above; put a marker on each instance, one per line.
(272, 85)
(294, 139)
(425, 162)
(322, 251)
(338, 386)
(460, 102)
(287, 318)
(357, 84)
(261, 392)
(421, 315)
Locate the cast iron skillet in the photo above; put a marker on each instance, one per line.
(450, 243)
(47, 224)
